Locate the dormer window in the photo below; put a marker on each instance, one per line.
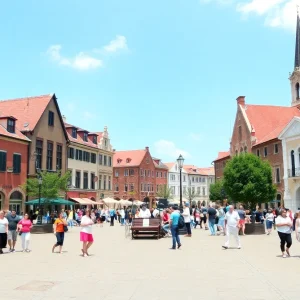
(119, 160)
(128, 160)
(11, 125)
(95, 139)
(74, 133)
(85, 136)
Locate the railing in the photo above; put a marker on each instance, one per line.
(294, 172)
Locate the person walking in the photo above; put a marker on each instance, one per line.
(13, 220)
(203, 217)
(187, 218)
(112, 214)
(59, 231)
(221, 222)
(212, 213)
(284, 228)
(86, 236)
(174, 219)
(232, 219)
(3, 231)
(242, 215)
(269, 220)
(297, 227)
(24, 227)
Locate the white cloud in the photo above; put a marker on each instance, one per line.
(81, 61)
(169, 149)
(276, 13)
(119, 43)
(195, 136)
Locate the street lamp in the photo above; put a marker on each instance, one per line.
(180, 161)
(40, 181)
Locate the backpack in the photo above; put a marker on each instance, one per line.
(181, 223)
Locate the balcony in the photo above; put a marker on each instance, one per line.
(294, 172)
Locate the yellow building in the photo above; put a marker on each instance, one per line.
(290, 137)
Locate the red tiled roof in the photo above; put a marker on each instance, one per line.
(100, 135)
(79, 139)
(135, 158)
(222, 155)
(17, 135)
(27, 111)
(193, 170)
(268, 121)
(161, 165)
(207, 171)
(170, 165)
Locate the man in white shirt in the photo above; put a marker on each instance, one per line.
(232, 219)
(144, 213)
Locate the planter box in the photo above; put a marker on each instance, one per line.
(256, 228)
(43, 228)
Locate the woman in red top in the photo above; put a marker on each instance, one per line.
(24, 227)
(166, 222)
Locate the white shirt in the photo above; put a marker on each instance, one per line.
(269, 216)
(145, 214)
(281, 220)
(122, 213)
(232, 218)
(186, 215)
(3, 224)
(86, 220)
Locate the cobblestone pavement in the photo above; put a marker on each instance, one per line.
(122, 269)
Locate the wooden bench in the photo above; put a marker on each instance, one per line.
(140, 228)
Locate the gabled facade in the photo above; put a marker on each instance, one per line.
(220, 164)
(174, 179)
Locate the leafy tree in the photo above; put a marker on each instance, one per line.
(248, 179)
(164, 192)
(217, 191)
(191, 194)
(52, 185)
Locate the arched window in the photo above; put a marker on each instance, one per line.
(297, 90)
(293, 163)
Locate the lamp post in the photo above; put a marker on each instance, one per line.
(40, 180)
(180, 161)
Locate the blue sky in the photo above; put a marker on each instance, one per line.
(163, 74)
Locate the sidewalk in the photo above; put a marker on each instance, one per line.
(122, 269)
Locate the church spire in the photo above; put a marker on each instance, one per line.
(297, 47)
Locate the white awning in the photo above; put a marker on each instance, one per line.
(84, 201)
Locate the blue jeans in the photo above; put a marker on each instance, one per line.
(166, 228)
(211, 224)
(122, 221)
(175, 235)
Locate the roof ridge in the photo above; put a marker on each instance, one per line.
(25, 98)
(266, 105)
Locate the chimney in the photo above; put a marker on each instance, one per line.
(64, 118)
(241, 100)
(147, 149)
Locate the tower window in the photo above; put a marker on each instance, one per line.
(297, 90)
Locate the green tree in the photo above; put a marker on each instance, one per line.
(217, 191)
(53, 185)
(191, 194)
(248, 179)
(164, 192)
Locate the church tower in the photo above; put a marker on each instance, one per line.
(295, 76)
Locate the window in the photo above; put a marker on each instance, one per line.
(116, 173)
(85, 180)
(93, 158)
(109, 161)
(105, 160)
(141, 172)
(126, 187)
(74, 133)
(86, 156)
(276, 149)
(85, 136)
(92, 181)
(116, 187)
(173, 177)
(203, 191)
(71, 153)
(131, 187)
(2, 161)
(157, 174)
(78, 154)
(104, 182)
(39, 153)
(193, 179)
(277, 175)
(11, 125)
(126, 172)
(145, 173)
(198, 190)
(100, 182)
(58, 157)
(152, 173)
(131, 172)
(51, 118)
(266, 151)
(193, 189)
(184, 178)
(49, 164)
(165, 174)
(95, 139)
(240, 133)
(161, 175)
(109, 183)
(141, 187)
(258, 152)
(157, 188)
(197, 179)
(16, 163)
(77, 179)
